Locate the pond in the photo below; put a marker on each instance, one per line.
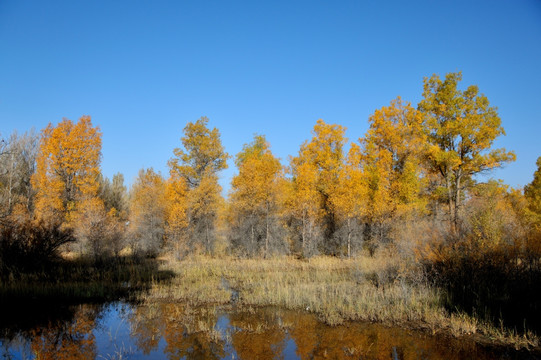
(120, 330)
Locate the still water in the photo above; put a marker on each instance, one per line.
(179, 331)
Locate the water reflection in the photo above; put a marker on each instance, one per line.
(180, 331)
(67, 340)
(188, 332)
(62, 338)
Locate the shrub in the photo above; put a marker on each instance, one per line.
(27, 245)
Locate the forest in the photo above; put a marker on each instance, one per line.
(403, 209)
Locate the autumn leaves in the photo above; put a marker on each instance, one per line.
(324, 201)
(67, 168)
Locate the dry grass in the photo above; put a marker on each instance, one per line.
(76, 278)
(368, 289)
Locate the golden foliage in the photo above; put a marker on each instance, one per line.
(532, 192)
(257, 184)
(316, 174)
(461, 127)
(67, 168)
(390, 159)
(325, 153)
(194, 194)
(257, 190)
(148, 211)
(177, 208)
(203, 153)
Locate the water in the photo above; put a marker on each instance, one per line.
(179, 331)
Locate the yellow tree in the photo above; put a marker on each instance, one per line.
(256, 200)
(203, 153)
(303, 202)
(532, 192)
(532, 214)
(392, 175)
(176, 214)
(198, 164)
(67, 168)
(204, 202)
(349, 199)
(461, 129)
(148, 207)
(322, 159)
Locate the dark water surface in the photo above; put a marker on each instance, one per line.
(178, 331)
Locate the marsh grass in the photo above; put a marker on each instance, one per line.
(83, 279)
(373, 289)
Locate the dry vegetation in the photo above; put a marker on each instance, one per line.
(364, 289)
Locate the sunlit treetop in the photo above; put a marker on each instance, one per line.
(203, 153)
(68, 166)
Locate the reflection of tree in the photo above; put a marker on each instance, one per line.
(258, 336)
(189, 332)
(68, 340)
(303, 332)
(192, 346)
(146, 327)
(316, 340)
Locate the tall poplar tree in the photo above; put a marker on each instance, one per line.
(255, 198)
(321, 160)
(198, 164)
(462, 127)
(391, 159)
(147, 212)
(68, 167)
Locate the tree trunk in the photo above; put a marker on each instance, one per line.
(253, 240)
(450, 195)
(349, 238)
(10, 183)
(458, 177)
(207, 237)
(303, 231)
(267, 232)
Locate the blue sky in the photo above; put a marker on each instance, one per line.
(143, 69)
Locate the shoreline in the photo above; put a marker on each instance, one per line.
(335, 290)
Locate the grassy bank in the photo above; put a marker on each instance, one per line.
(82, 280)
(375, 289)
(367, 289)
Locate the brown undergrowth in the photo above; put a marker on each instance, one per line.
(375, 289)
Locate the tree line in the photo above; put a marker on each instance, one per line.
(410, 183)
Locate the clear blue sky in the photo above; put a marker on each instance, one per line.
(143, 69)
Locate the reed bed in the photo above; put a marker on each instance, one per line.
(373, 289)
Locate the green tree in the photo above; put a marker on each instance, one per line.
(114, 195)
